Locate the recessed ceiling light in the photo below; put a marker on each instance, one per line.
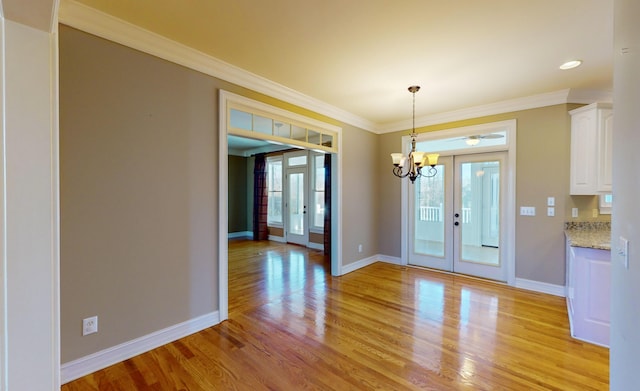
(570, 64)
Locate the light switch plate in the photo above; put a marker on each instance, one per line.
(551, 201)
(551, 211)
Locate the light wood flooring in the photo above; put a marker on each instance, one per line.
(384, 327)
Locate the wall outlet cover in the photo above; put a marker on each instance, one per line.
(89, 325)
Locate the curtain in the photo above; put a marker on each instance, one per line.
(327, 204)
(260, 198)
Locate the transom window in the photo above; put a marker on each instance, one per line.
(252, 119)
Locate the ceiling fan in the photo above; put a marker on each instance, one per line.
(475, 139)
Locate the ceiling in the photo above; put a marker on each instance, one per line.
(361, 55)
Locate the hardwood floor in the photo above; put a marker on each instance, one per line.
(292, 326)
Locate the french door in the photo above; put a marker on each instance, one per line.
(296, 206)
(457, 218)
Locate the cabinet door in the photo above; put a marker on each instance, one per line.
(605, 150)
(592, 292)
(583, 147)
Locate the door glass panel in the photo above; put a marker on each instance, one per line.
(296, 203)
(429, 214)
(480, 212)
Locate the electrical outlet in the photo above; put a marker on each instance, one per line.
(594, 213)
(551, 211)
(89, 325)
(359, 248)
(551, 201)
(574, 212)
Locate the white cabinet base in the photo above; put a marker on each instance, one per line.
(588, 294)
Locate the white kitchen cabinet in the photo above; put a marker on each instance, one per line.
(591, 152)
(588, 292)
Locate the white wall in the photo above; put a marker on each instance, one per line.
(29, 263)
(625, 306)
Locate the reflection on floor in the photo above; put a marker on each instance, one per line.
(293, 326)
(480, 254)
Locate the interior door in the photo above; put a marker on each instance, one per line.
(296, 206)
(457, 216)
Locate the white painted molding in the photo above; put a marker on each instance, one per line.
(242, 234)
(103, 25)
(507, 106)
(358, 265)
(279, 239)
(316, 246)
(369, 261)
(590, 96)
(83, 366)
(542, 287)
(389, 259)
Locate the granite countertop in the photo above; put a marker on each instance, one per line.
(589, 234)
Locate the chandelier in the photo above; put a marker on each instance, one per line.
(416, 160)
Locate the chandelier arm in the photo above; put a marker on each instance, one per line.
(430, 173)
(397, 171)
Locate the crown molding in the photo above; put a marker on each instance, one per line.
(103, 25)
(590, 96)
(507, 106)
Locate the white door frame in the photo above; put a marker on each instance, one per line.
(223, 193)
(289, 237)
(510, 218)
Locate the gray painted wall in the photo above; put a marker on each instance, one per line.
(139, 183)
(238, 189)
(139, 201)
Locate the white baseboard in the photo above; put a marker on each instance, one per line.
(83, 366)
(242, 234)
(389, 259)
(316, 246)
(279, 239)
(358, 264)
(542, 287)
(368, 261)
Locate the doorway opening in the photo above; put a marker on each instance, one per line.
(463, 219)
(247, 119)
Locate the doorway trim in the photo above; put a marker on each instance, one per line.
(226, 97)
(510, 126)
